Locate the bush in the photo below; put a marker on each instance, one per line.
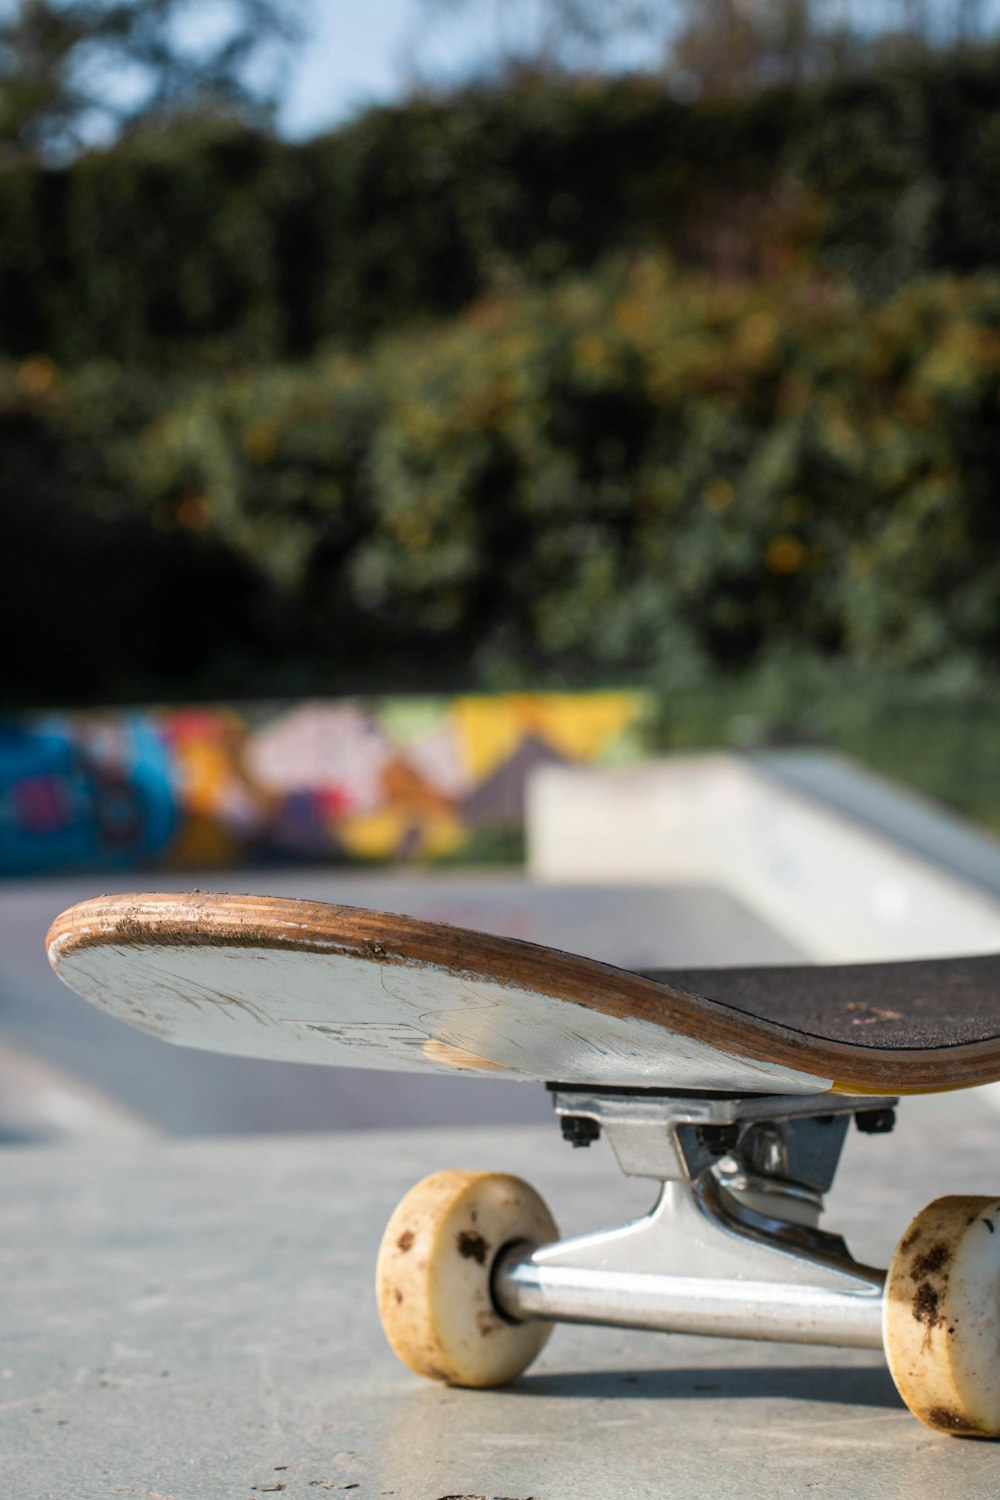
(638, 473)
(208, 243)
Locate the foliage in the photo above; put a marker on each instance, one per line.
(209, 243)
(637, 474)
(73, 69)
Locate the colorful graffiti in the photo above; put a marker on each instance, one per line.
(400, 779)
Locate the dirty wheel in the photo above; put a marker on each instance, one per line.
(941, 1318)
(433, 1277)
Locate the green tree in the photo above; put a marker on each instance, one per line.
(73, 72)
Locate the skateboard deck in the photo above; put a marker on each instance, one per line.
(302, 981)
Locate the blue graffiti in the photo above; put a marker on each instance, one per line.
(80, 793)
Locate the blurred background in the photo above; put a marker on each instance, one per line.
(404, 406)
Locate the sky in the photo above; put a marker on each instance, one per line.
(363, 52)
(349, 55)
(357, 54)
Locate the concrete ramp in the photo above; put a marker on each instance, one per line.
(845, 865)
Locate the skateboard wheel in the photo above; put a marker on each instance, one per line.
(941, 1316)
(434, 1270)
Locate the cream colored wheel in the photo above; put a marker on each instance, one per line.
(941, 1318)
(433, 1276)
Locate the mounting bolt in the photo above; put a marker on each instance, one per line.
(875, 1121)
(579, 1130)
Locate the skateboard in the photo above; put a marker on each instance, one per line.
(732, 1089)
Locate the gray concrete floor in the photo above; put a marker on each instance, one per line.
(194, 1320)
(194, 1093)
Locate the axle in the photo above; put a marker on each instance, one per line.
(525, 1288)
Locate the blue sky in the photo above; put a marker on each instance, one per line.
(351, 54)
(361, 52)
(357, 54)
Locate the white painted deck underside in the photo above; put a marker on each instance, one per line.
(347, 1011)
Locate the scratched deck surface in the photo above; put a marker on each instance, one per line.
(302, 981)
(209, 1093)
(189, 1321)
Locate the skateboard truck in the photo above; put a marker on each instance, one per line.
(732, 1246)
(472, 1275)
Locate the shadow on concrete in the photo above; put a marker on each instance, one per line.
(841, 1385)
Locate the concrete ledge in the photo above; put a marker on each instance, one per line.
(844, 865)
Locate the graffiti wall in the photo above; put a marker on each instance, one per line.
(390, 779)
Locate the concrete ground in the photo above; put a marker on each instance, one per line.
(194, 1320)
(183, 1092)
